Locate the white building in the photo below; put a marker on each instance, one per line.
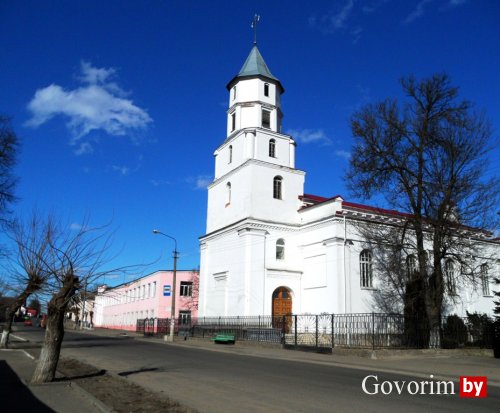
(271, 249)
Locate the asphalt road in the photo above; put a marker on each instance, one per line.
(220, 382)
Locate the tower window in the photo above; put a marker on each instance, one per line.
(234, 92)
(233, 121)
(266, 89)
(228, 193)
(280, 249)
(277, 187)
(366, 268)
(230, 153)
(449, 269)
(272, 148)
(485, 280)
(266, 119)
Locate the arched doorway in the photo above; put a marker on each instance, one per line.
(282, 306)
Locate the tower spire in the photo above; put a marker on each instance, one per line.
(256, 19)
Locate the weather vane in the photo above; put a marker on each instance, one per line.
(256, 19)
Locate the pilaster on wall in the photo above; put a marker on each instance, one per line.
(253, 268)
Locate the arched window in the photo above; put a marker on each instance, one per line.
(280, 249)
(277, 190)
(233, 121)
(228, 193)
(485, 280)
(266, 89)
(366, 268)
(234, 92)
(411, 265)
(449, 270)
(272, 148)
(230, 153)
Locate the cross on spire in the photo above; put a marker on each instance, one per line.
(256, 19)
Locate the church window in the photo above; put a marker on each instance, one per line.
(485, 281)
(411, 265)
(280, 249)
(230, 153)
(233, 121)
(272, 148)
(228, 193)
(449, 270)
(266, 89)
(366, 268)
(266, 119)
(234, 92)
(277, 187)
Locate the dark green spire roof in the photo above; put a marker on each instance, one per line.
(255, 66)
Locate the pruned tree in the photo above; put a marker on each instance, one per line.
(9, 146)
(429, 158)
(27, 266)
(77, 259)
(193, 301)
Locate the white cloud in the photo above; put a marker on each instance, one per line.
(84, 149)
(343, 154)
(310, 136)
(334, 21)
(75, 227)
(417, 12)
(97, 105)
(123, 170)
(202, 181)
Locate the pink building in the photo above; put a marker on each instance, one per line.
(147, 297)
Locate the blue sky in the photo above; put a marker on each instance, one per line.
(120, 104)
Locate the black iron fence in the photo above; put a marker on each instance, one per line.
(325, 331)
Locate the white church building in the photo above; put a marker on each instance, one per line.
(270, 248)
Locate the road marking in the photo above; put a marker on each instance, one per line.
(19, 338)
(28, 354)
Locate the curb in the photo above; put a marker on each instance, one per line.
(93, 400)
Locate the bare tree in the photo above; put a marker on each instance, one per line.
(9, 146)
(77, 258)
(28, 265)
(429, 157)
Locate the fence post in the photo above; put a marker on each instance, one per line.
(295, 326)
(373, 331)
(259, 332)
(317, 332)
(333, 335)
(283, 330)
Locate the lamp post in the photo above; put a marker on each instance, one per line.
(172, 310)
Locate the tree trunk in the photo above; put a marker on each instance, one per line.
(4, 343)
(49, 356)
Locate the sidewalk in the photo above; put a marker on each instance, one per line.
(16, 369)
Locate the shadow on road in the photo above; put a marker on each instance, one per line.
(15, 396)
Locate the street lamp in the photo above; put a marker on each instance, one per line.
(172, 310)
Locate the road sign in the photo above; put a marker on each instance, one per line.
(166, 290)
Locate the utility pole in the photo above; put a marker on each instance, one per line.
(83, 307)
(170, 337)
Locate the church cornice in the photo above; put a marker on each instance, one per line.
(254, 130)
(251, 103)
(255, 162)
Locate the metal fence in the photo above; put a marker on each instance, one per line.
(323, 332)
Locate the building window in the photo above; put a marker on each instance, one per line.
(277, 187)
(233, 121)
(186, 288)
(184, 318)
(272, 148)
(234, 92)
(449, 269)
(280, 249)
(228, 193)
(485, 280)
(154, 289)
(366, 269)
(230, 153)
(266, 89)
(411, 265)
(266, 119)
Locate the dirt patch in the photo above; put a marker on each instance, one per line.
(115, 392)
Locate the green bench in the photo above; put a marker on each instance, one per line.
(224, 338)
